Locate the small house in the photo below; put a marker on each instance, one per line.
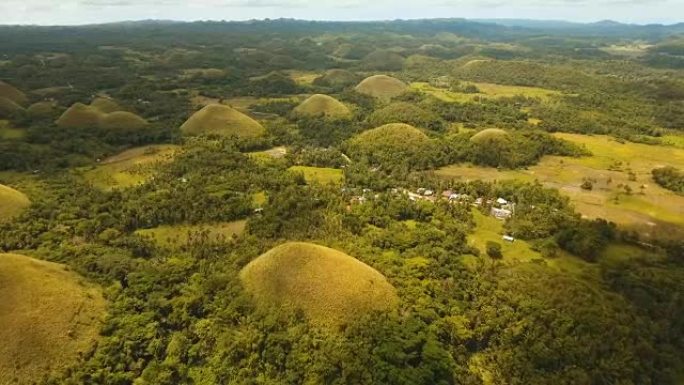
(508, 238)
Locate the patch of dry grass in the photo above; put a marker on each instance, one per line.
(12, 202)
(330, 287)
(48, 316)
(179, 235)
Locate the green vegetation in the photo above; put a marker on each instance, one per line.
(222, 120)
(330, 287)
(50, 318)
(669, 178)
(498, 220)
(409, 113)
(392, 145)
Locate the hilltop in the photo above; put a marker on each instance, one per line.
(322, 105)
(381, 86)
(222, 120)
(331, 287)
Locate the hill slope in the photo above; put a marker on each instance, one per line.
(381, 86)
(322, 105)
(47, 318)
(12, 202)
(222, 120)
(330, 287)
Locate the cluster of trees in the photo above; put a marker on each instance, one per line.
(669, 178)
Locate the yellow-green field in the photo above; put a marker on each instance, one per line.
(304, 78)
(649, 209)
(487, 90)
(267, 155)
(129, 168)
(7, 132)
(12, 202)
(488, 228)
(321, 175)
(48, 317)
(179, 235)
(330, 287)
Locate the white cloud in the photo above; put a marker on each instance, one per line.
(96, 11)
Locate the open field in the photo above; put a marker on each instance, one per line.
(320, 174)
(12, 202)
(487, 90)
(7, 132)
(130, 167)
(303, 77)
(330, 287)
(271, 153)
(612, 166)
(48, 317)
(179, 235)
(488, 228)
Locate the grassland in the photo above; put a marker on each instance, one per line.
(322, 105)
(487, 90)
(330, 287)
(48, 317)
(129, 168)
(488, 228)
(12, 202)
(382, 87)
(179, 235)
(321, 175)
(7, 132)
(218, 119)
(613, 165)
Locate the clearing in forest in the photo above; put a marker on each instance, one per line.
(622, 189)
(129, 168)
(486, 90)
(179, 235)
(323, 175)
(48, 317)
(329, 286)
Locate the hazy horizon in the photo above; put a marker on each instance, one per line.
(83, 12)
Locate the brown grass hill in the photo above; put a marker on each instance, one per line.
(122, 120)
(336, 78)
(409, 113)
(9, 92)
(392, 145)
(217, 119)
(383, 60)
(43, 109)
(8, 107)
(382, 87)
(488, 135)
(48, 318)
(330, 287)
(320, 105)
(105, 105)
(80, 116)
(12, 203)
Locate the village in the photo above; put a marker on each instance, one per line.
(499, 208)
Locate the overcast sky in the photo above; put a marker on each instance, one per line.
(97, 11)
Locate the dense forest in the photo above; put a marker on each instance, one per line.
(222, 123)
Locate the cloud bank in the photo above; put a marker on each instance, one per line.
(53, 12)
